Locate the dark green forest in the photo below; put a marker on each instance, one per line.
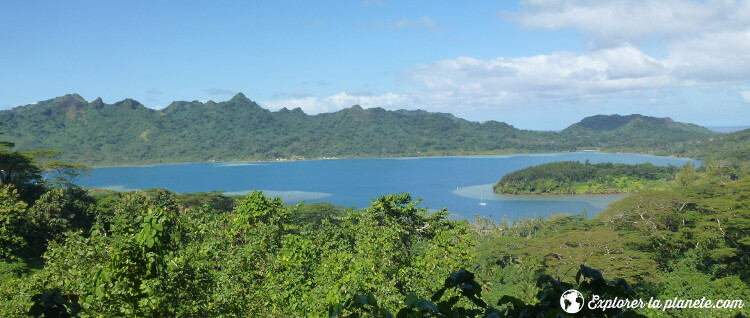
(572, 177)
(127, 132)
(68, 251)
(732, 147)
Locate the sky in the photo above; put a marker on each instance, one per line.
(535, 64)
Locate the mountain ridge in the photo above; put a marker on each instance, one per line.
(240, 129)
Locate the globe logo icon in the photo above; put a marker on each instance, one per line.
(571, 301)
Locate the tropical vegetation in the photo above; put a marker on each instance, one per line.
(66, 251)
(572, 177)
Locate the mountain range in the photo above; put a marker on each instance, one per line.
(239, 129)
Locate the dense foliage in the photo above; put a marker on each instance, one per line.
(72, 252)
(734, 146)
(156, 254)
(572, 177)
(153, 253)
(238, 129)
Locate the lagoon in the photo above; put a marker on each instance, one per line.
(458, 183)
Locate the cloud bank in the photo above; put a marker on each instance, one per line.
(703, 45)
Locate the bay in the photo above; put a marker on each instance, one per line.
(458, 183)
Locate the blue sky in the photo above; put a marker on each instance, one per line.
(533, 64)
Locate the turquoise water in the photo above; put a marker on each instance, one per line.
(457, 183)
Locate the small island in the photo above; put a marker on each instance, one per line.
(573, 177)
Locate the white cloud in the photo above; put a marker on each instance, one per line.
(424, 22)
(623, 71)
(219, 91)
(619, 21)
(716, 57)
(705, 41)
(558, 76)
(315, 105)
(745, 95)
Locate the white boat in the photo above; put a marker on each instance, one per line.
(481, 201)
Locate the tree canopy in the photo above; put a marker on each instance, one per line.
(572, 177)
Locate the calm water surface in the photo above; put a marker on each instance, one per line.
(457, 183)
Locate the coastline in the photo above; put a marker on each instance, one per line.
(402, 157)
(484, 191)
(406, 156)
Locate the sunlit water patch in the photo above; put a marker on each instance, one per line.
(119, 188)
(484, 193)
(286, 196)
(237, 164)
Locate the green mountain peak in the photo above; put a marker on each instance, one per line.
(129, 103)
(612, 122)
(97, 103)
(240, 97)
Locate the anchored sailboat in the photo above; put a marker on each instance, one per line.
(481, 201)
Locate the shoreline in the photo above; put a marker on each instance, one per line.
(334, 158)
(470, 192)
(562, 194)
(404, 157)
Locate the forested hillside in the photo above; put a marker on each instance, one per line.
(631, 133)
(734, 146)
(127, 132)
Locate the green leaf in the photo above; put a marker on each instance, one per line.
(410, 299)
(426, 305)
(438, 294)
(515, 302)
